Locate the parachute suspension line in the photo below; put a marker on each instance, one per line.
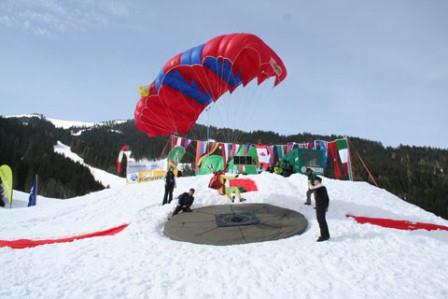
(165, 150)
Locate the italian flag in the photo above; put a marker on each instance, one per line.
(342, 147)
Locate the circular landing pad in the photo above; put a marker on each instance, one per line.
(235, 224)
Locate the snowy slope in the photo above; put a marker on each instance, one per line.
(102, 176)
(360, 261)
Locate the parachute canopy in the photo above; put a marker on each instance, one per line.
(191, 80)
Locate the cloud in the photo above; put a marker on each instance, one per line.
(53, 17)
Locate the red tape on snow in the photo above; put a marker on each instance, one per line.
(26, 243)
(397, 224)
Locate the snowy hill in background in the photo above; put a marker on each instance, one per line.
(360, 261)
(102, 176)
(67, 124)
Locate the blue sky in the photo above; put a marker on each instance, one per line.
(372, 69)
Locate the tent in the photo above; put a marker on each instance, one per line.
(301, 159)
(240, 156)
(211, 164)
(235, 224)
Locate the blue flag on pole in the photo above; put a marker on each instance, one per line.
(33, 193)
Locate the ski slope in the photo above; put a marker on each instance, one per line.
(100, 175)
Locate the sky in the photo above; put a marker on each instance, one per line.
(370, 69)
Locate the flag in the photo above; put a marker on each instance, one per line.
(264, 155)
(235, 149)
(123, 152)
(226, 149)
(289, 146)
(33, 193)
(332, 148)
(310, 144)
(181, 141)
(323, 148)
(201, 149)
(342, 147)
(280, 151)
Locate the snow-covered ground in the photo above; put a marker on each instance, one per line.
(360, 261)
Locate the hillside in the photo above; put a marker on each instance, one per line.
(359, 261)
(416, 174)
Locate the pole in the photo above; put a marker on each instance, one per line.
(349, 161)
(367, 169)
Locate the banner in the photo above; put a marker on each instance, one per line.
(311, 158)
(144, 171)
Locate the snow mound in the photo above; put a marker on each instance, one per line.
(359, 261)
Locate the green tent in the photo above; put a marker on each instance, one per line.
(211, 164)
(175, 156)
(301, 159)
(242, 166)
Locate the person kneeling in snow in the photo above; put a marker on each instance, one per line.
(322, 203)
(185, 202)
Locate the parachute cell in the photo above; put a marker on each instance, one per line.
(191, 80)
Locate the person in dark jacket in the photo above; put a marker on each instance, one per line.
(170, 183)
(185, 202)
(2, 203)
(322, 203)
(311, 179)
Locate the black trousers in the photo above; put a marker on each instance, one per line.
(181, 208)
(168, 193)
(320, 215)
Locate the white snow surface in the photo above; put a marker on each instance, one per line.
(100, 175)
(359, 261)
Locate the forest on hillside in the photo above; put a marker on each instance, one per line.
(416, 174)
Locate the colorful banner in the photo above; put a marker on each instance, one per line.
(137, 172)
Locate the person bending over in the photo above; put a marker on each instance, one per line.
(311, 178)
(185, 202)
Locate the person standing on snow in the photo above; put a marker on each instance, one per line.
(170, 183)
(322, 203)
(185, 202)
(311, 179)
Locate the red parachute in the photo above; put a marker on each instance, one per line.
(191, 80)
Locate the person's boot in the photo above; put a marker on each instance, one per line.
(321, 239)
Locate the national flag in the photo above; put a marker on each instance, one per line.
(264, 155)
(323, 148)
(280, 151)
(201, 149)
(33, 193)
(332, 148)
(181, 141)
(342, 147)
(226, 149)
(235, 149)
(289, 146)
